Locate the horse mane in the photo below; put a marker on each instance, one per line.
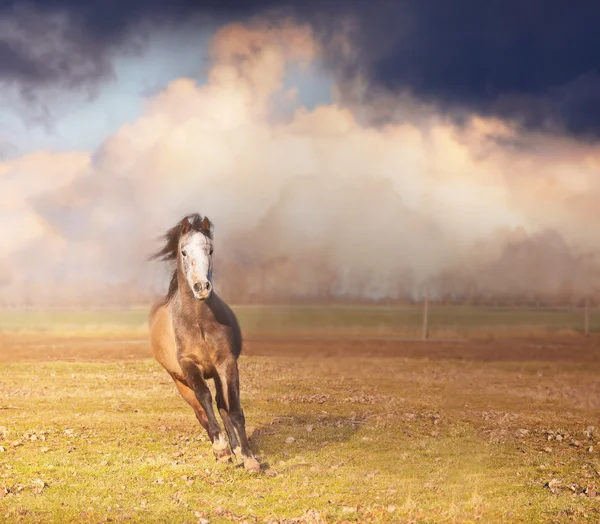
(168, 252)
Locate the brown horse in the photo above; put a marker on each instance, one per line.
(195, 336)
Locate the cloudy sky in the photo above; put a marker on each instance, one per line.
(340, 147)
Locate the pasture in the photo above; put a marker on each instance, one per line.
(446, 322)
(493, 422)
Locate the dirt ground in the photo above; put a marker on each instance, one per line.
(16, 347)
(347, 430)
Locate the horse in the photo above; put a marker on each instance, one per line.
(195, 336)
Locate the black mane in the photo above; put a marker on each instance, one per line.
(169, 251)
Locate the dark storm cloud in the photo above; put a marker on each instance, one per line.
(14, 64)
(536, 61)
(70, 43)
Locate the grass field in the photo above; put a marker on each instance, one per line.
(444, 321)
(92, 429)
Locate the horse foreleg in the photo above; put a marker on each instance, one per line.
(188, 395)
(223, 407)
(230, 405)
(193, 375)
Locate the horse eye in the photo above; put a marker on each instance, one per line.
(211, 251)
(183, 252)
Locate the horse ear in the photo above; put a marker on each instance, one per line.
(206, 224)
(186, 225)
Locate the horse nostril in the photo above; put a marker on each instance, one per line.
(197, 287)
(208, 286)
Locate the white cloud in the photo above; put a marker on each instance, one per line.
(316, 198)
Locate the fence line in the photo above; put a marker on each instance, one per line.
(427, 320)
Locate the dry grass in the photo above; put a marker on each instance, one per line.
(490, 431)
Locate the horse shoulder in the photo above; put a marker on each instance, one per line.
(162, 339)
(234, 330)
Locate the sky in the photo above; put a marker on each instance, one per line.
(341, 149)
(81, 119)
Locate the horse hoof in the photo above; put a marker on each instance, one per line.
(251, 465)
(237, 456)
(222, 455)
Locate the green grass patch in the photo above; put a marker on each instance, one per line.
(405, 321)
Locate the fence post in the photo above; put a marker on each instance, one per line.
(586, 317)
(426, 315)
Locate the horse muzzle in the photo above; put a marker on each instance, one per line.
(202, 290)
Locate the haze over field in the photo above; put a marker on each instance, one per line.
(324, 178)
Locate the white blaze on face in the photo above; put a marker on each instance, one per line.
(195, 255)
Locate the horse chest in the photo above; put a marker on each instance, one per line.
(201, 345)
